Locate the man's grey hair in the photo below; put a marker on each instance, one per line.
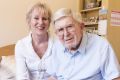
(64, 12)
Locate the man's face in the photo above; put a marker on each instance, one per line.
(69, 32)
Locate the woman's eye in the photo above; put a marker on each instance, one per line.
(44, 18)
(69, 26)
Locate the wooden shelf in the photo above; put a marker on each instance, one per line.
(90, 17)
(90, 24)
(92, 9)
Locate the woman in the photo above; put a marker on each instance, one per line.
(33, 53)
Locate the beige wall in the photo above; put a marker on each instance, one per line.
(114, 31)
(12, 17)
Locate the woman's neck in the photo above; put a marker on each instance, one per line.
(40, 44)
(39, 39)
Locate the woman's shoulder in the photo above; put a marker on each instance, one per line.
(23, 41)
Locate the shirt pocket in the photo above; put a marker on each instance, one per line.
(33, 69)
(32, 64)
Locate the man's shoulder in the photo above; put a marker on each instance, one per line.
(96, 41)
(58, 47)
(58, 44)
(96, 38)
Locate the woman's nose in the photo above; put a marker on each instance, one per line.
(40, 21)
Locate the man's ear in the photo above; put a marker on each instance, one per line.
(82, 25)
(55, 32)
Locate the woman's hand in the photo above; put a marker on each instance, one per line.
(51, 78)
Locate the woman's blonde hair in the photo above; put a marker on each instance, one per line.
(42, 6)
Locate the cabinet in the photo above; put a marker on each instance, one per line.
(90, 14)
(113, 32)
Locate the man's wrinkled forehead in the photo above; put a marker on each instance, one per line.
(64, 22)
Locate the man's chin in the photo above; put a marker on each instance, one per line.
(69, 47)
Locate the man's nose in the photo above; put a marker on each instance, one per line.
(66, 32)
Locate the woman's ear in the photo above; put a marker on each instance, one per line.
(29, 25)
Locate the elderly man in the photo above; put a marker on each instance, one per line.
(79, 55)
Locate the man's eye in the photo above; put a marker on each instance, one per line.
(60, 30)
(69, 27)
(36, 18)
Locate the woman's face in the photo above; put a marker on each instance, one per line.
(39, 21)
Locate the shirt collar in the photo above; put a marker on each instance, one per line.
(29, 39)
(83, 43)
(50, 45)
(81, 48)
(49, 49)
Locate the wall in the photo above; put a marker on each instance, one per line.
(12, 17)
(113, 31)
(12, 20)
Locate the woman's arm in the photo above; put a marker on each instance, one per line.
(21, 68)
(117, 78)
(51, 78)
